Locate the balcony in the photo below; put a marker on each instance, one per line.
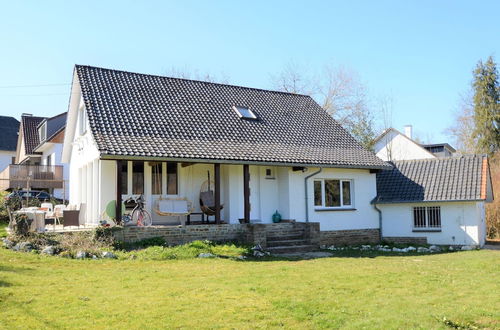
(34, 176)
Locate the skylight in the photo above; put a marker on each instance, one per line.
(245, 113)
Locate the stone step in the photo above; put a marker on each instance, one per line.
(286, 237)
(288, 242)
(291, 249)
(285, 233)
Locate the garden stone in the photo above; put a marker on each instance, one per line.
(466, 248)
(7, 243)
(434, 248)
(258, 254)
(49, 250)
(80, 255)
(23, 247)
(206, 255)
(109, 255)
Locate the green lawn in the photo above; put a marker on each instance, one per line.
(382, 292)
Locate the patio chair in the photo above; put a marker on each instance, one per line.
(71, 216)
(207, 197)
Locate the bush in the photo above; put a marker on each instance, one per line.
(4, 216)
(186, 251)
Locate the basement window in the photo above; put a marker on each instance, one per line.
(244, 112)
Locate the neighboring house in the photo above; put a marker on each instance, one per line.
(394, 145)
(51, 138)
(38, 154)
(129, 134)
(440, 149)
(435, 201)
(27, 140)
(9, 128)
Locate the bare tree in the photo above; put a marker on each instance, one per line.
(338, 90)
(386, 107)
(187, 73)
(461, 131)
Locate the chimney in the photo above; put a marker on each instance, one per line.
(409, 131)
(27, 115)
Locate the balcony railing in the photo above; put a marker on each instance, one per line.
(34, 176)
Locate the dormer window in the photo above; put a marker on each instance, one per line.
(42, 132)
(244, 113)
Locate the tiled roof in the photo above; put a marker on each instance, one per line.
(440, 179)
(142, 115)
(30, 132)
(9, 128)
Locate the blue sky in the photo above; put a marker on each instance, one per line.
(419, 53)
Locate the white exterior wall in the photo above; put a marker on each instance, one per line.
(462, 223)
(82, 174)
(6, 159)
(363, 191)
(54, 152)
(396, 146)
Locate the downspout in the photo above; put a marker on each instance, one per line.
(305, 185)
(379, 218)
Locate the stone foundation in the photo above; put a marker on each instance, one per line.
(406, 240)
(244, 233)
(350, 237)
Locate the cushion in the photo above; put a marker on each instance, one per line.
(173, 206)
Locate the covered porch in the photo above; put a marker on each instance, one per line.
(242, 193)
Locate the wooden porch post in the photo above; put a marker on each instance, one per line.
(217, 192)
(118, 191)
(246, 192)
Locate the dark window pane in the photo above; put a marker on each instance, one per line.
(346, 193)
(332, 193)
(124, 170)
(156, 178)
(171, 178)
(317, 194)
(419, 217)
(138, 178)
(434, 216)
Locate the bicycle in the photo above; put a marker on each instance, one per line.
(139, 215)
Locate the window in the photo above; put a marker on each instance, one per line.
(13, 161)
(427, 217)
(329, 193)
(244, 112)
(269, 173)
(42, 132)
(171, 178)
(49, 158)
(124, 174)
(137, 178)
(156, 178)
(83, 121)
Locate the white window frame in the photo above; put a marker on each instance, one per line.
(252, 116)
(323, 195)
(427, 210)
(82, 118)
(42, 132)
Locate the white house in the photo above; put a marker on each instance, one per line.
(38, 152)
(435, 201)
(430, 195)
(50, 133)
(394, 145)
(129, 134)
(9, 128)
